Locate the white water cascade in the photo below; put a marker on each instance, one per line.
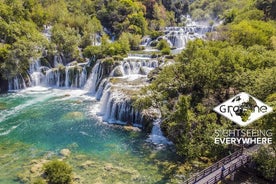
(17, 83)
(114, 90)
(94, 79)
(73, 75)
(156, 137)
(178, 37)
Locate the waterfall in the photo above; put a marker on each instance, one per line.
(117, 108)
(156, 137)
(94, 78)
(35, 71)
(16, 83)
(67, 77)
(112, 91)
(178, 36)
(83, 77)
(102, 87)
(134, 66)
(57, 61)
(72, 75)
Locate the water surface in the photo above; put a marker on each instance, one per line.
(37, 123)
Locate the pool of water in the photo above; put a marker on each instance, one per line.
(37, 123)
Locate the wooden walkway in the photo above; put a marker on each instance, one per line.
(222, 168)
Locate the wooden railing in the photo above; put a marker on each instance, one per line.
(214, 167)
(228, 170)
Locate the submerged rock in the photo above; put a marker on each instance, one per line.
(108, 167)
(65, 152)
(73, 115)
(131, 128)
(2, 106)
(87, 164)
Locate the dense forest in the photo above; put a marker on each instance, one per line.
(240, 55)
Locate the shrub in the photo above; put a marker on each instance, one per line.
(58, 172)
(162, 45)
(155, 34)
(166, 51)
(39, 181)
(266, 163)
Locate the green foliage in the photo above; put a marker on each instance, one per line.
(162, 44)
(39, 181)
(266, 162)
(66, 40)
(164, 47)
(92, 51)
(205, 74)
(155, 34)
(107, 48)
(268, 7)
(249, 33)
(58, 172)
(208, 10)
(166, 51)
(122, 15)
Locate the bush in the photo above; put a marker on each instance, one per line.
(163, 44)
(166, 51)
(155, 34)
(58, 172)
(39, 181)
(266, 163)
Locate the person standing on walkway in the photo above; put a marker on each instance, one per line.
(222, 170)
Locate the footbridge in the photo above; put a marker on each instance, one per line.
(223, 168)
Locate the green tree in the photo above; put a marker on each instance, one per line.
(266, 162)
(66, 40)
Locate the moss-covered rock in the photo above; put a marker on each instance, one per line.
(117, 72)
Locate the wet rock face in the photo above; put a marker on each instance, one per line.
(3, 85)
(117, 72)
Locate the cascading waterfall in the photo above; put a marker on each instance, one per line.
(94, 79)
(72, 75)
(116, 105)
(17, 83)
(103, 87)
(178, 36)
(117, 108)
(156, 137)
(83, 77)
(67, 77)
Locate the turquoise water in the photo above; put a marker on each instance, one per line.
(38, 123)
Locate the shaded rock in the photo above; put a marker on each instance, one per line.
(117, 72)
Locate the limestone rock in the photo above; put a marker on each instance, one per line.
(65, 152)
(108, 167)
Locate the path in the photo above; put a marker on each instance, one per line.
(231, 163)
